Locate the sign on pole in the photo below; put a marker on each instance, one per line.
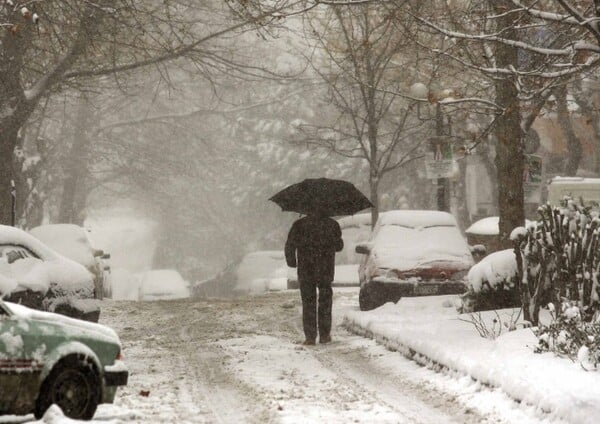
(439, 162)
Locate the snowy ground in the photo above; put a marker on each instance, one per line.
(238, 361)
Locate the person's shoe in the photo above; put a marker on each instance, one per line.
(325, 339)
(309, 342)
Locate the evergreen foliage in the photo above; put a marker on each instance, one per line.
(558, 260)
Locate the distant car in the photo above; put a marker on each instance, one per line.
(485, 232)
(72, 241)
(412, 253)
(47, 359)
(163, 284)
(36, 276)
(261, 271)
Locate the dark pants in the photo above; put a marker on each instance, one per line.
(310, 309)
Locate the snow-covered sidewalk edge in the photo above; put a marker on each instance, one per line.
(518, 383)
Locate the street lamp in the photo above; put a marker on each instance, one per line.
(421, 93)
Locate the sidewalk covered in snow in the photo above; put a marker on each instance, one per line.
(430, 331)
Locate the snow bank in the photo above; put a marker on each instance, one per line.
(429, 330)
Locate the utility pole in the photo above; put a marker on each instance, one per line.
(442, 203)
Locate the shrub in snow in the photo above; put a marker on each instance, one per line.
(492, 283)
(558, 259)
(570, 336)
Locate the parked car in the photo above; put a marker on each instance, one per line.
(163, 284)
(73, 242)
(412, 253)
(36, 276)
(485, 232)
(261, 271)
(47, 359)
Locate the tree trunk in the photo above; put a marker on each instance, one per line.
(573, 143)
(374, 197)
(461, 211)
(74, 187)
(509, 146)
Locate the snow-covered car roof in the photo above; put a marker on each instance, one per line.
(37, 274)
(407, 240)
(357, 220)
(487, 226)
(69, 240)
(416, 218)
(16, 236)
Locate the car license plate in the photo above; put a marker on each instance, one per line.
(424, 290)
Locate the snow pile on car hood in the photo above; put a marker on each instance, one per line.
(72, 326)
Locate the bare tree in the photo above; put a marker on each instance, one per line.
(361, 60)
(57, 44)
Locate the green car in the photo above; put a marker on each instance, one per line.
(47, 358)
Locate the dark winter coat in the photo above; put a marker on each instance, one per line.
(311, 246)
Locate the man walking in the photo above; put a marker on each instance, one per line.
(311, 246)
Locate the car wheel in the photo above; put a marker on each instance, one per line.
(73, 385)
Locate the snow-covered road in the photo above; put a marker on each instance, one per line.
(239, 361)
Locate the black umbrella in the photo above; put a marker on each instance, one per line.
(322, 195)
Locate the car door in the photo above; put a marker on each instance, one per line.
(22, 351)
(8, 379)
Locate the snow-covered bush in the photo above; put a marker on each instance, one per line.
(558, 259)
(492, 283)
(568, 335)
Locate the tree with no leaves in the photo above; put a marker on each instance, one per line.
(361, 59)
(49, 46)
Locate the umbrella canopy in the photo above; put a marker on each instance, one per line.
(322, 196)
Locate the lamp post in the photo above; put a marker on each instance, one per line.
(421, 93)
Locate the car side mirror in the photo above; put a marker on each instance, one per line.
(363, 249)
(106, 256)
(98, 252)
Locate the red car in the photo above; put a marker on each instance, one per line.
(412, 253)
